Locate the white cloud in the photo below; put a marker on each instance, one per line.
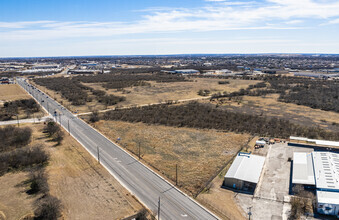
(215, 0)
(335, 21)
(275, 14)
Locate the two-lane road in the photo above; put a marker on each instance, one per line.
(142, 182)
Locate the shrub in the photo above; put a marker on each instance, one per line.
(48, 208)
(13, 137)
(21, 158)
(94, 117)
(58, 136)
(38, 182)
(51, 128)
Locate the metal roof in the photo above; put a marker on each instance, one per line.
(328, 197)
(317, 142)
(246, 167)
(303, 172)
(326, 170)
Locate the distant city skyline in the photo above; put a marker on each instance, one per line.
(50, 28)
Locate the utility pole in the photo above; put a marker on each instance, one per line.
(98, 154)
(69, 131)
(17, 118)
(139, 150)
(159, 209)
(47, 108)
(176, 174)
(249, 212)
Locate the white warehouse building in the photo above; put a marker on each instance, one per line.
(244, 172)
(321, 170)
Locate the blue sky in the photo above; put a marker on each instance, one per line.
(144, 27)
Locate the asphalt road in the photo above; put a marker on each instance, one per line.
(146, 185)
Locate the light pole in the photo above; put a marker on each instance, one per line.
(69, 131)
(249, 212)
(176, 174)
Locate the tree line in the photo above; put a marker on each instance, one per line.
(77, 93)
(119, 81)
(204, 116)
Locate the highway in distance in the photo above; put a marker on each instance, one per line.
(133, 175)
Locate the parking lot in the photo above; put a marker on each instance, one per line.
(270, 200)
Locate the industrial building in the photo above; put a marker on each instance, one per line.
(183, 71)
(244, 172)
(319, 169)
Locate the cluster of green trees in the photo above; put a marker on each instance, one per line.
(198, 115)
(11, 109)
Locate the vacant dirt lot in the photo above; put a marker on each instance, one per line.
(85, 189)
(270, 106)
(161, 92)
(199, 154)
(12, 92)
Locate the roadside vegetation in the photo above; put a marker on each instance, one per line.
(53, 131)
(25, 107)
(197, 115)
(77, 93)
(16, 154)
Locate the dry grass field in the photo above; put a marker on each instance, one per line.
(161, 92)
(86, 190)
(15, 203)
(199, 154)
(270, 106)
(12, 92)
(157, 92)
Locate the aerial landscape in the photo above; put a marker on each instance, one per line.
(195, 109)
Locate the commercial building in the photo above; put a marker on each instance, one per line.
(303, 172)
(319, 169)
(244, 172)
(313, 142)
